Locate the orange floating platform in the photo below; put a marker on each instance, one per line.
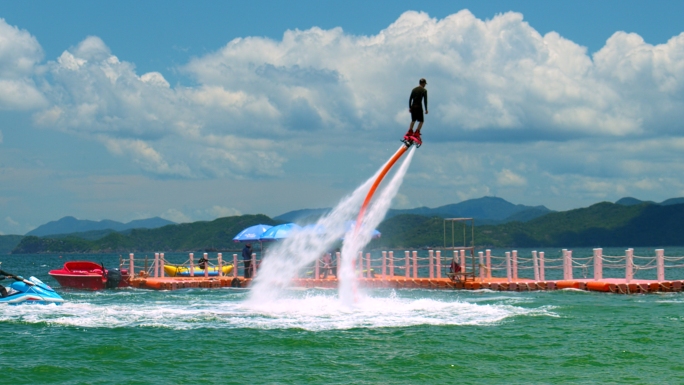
(618, 286)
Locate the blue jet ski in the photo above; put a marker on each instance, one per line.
(31, 290)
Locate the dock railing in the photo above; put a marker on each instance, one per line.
(154, 266)
(436, 264)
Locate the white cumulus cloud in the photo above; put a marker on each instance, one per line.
(258, 107)
(20, 55)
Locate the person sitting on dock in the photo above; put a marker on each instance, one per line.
(327, 265)
(247, 260)
(202, 263)
(454, 270)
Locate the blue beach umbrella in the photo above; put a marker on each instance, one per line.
(251, 234)
(280, 232)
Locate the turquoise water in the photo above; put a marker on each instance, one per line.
(132, 336)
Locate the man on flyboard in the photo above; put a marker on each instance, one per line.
(416, 100)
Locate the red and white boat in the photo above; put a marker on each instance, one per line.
(88, 275)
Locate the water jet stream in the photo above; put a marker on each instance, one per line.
(286, 259)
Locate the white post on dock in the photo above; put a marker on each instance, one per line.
(384, 264)
(391, 264)
(235, 266)
(162, 262)
(629, 265)
(508, 266)
(439, 263)
(535, 266)
(415, 264)
(317, 271)
(463, 261)
(408, 264)
(337, 262)
(482, 266)
(192, 265)
(567, 264)
(660, 263)
(514, 255)
(253, 266)
(488, 253)
(368, 265)
(358, 262)
(155, 266)
(542, 271)
(220, 264)
(431, 257)
(206, 266)
(598, 264)
(131, 264)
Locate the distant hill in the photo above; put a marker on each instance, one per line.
(204, 235)
(9, 242)
(485, 210)
(601, 225)
(304, 216)
(629, 201)
(68, 225)
(489, 209)
(672, 201)
(91, 235)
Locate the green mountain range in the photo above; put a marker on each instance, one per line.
(487, 210)
(601, 225)
(624, 223)
(204, 235)
(68, 225)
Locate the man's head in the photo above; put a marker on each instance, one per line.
(249, 245)
(422, 82)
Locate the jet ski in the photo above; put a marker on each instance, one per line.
(31, 290)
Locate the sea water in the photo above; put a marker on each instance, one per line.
(216, 336)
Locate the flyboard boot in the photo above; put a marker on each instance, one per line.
(408, 138)
(416, 139)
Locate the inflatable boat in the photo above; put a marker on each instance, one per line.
(184, 271)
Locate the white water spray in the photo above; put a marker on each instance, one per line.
(347, 276)
(286, 259)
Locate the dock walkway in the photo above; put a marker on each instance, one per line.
(618, 286)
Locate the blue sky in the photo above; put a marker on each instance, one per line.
(192, 111)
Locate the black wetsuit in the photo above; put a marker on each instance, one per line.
(247, 260)
(3, 291)
(418, 95)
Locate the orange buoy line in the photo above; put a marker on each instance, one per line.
(610, 285)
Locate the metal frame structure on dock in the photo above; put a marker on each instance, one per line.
(465, 246)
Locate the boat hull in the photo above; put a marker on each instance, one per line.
(85, 275)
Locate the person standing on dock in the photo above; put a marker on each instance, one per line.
(418, 96)
(247, 260)
(202, 263)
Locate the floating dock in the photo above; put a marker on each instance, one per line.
(434, 271)
(617, 286)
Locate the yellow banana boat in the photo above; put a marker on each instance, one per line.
(184, 271)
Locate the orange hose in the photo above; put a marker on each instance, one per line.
(379, 179)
